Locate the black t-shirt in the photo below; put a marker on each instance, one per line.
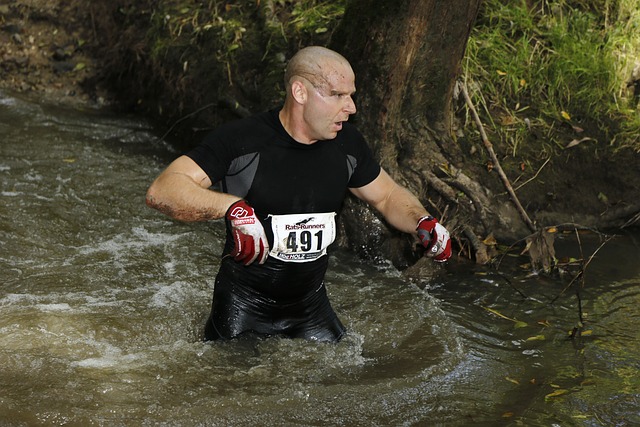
(256, 159)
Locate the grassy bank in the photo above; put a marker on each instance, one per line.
(546, 67)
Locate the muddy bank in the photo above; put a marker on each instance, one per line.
(47, 48)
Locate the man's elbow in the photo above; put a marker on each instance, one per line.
(155, 200)
(151, 198)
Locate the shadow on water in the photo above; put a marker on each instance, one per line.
(102, 303)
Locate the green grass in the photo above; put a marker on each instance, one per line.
(561, 62)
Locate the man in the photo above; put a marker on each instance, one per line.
(283, 176)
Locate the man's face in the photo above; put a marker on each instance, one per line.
(330, 104)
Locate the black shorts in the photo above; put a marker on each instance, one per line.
(276, 298)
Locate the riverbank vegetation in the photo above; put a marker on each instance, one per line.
(555, 64)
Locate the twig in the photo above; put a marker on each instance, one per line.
(533, 177)
(494, 158)
(224, 101)
(579, 299)
(183, 118)
(522, 294)
(582, 270)
(632, 221)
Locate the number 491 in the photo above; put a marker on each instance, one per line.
(305, 243)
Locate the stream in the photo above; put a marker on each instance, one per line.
(103, 302)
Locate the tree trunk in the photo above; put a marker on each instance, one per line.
(407, 57)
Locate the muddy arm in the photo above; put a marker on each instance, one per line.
(182, 192)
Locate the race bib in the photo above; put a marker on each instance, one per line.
(302, 237)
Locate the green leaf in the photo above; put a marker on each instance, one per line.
(556, 393)
(536, 338)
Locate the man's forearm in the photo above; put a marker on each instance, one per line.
(402, 210)
(179, 197)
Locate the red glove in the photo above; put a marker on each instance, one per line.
(249, 240)
(435, 238)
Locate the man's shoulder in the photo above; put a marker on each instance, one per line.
(350, 136)
(251, 128)
(246, 124)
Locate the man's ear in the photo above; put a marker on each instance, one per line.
(299, 92)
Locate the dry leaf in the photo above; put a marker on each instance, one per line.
(507, 120)
(578, 141)
(489, 166)
(526, 247)
(490, 240)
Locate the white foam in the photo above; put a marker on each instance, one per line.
(108, 361)
(10, 102)
(175, 293)
(13, 299)
(54, 307)
(125, 242)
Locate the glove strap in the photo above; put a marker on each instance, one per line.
(424, 218)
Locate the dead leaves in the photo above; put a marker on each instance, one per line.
(541, 251)
(577, 129)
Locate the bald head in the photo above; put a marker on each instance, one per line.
(320, 84)
(314, 63)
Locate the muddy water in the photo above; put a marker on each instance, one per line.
(102, 303)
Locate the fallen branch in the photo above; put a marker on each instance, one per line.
(181, 119)
(494, 158)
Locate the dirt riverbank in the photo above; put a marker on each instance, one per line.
(46, 49)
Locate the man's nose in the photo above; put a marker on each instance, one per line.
(350, 105)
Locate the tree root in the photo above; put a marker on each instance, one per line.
(480, 249)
